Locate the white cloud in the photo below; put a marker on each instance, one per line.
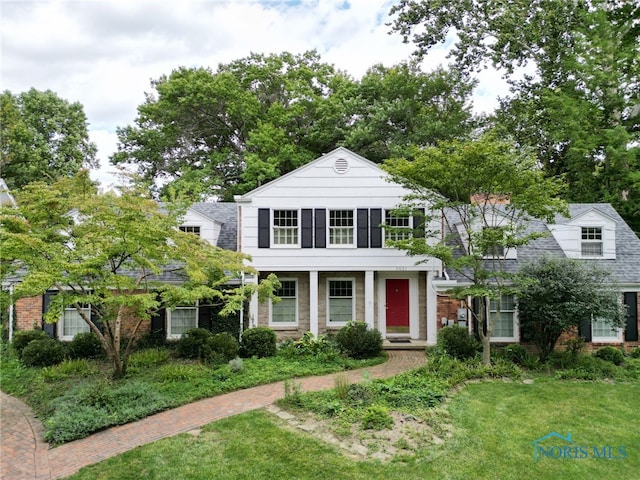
(104, 53)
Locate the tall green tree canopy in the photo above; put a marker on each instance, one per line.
(580, 108)
(466, 184)
(43, 137)
(115, 253)
(257, 118)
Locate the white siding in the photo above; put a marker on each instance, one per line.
(568, 235)
(209, 229)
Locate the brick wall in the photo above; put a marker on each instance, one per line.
(28, 313)
(448, 308)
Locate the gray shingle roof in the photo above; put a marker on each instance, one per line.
(225, 213)
(625, 269)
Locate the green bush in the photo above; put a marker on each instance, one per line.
(376, 417)
(357, 341)
(43, 353)
(610, 354)
(22, 338)
(515, 353)
(258, 342)
(150, 357)
(85, 345)
(195, 343)
(457, 342)
(68, 368)
(635, 353)
(224, 345)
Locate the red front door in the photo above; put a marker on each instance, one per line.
(397, 305)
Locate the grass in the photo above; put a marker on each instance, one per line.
(78, 397)
(494, 425)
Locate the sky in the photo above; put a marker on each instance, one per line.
(104, 53)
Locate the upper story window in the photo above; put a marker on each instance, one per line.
(285, 227)
(285, 312)
(492, 238)
(181, 319)
(341, 227)
(591, 242)
(73, 323)
(397, 227)
(195, 229)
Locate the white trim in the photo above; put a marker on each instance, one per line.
(369, 305)
(431, 311)
(272, 228)
(329, 323)
(297, 301)
(313, 302)
(354, 231)
(617, 339)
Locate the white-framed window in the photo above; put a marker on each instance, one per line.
(591, 241)
(399, 227)
(72, 322)
(340, 301)
(493, 249)
(180, 319)
(285, 227)
(195, 229)
(341, 227)
(285, 312)
(504, 323)
(603, 332)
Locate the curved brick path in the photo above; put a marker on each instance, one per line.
(23, 454)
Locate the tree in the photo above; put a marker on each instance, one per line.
(255, 119)
(43, 137)
(556, 295)
(508, 191)
(112, 251)
(580, 109)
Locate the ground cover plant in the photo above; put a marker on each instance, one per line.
(493, 425)
(78, 397)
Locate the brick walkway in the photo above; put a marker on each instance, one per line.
(24, 455)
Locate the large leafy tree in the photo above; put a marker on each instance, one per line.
(556, 295)
(580, 107)
(114, 252)
(485, 192)
(43, 137)
(257, 118)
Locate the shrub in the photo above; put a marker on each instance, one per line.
(68, 368)
(236, 365)
(195, 343)
(225, 345)
(376, 417)
(357, 341)
(43, 353)
(258, 342)
(457, 342)
(635, 353)
(150, 357)
(85, 345)
(22, 338)
(610, 354)
(515, 353)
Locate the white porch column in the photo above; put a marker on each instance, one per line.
(253, 303)
(313, 302)
(432, 311)
(369, 305)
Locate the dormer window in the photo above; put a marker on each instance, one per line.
(591, 242)
(190, 229)
(492, 238)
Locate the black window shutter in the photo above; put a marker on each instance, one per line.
(48, 328)
(376, 228)
(307, 228)
(363, 228)
(321, 228)
(584, 330)
(96, 319)
(158, 321)
(418, 223)
(204, 316)
(631, 328)
(264, 226)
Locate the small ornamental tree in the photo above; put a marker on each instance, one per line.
(482, 195)
(111, 251)
(558, 294)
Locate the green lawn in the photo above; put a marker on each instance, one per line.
(494, 427)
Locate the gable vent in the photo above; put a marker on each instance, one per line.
(341, 165)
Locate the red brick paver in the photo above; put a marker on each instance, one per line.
(25, 456)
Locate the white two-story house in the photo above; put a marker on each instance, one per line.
(320, 230)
